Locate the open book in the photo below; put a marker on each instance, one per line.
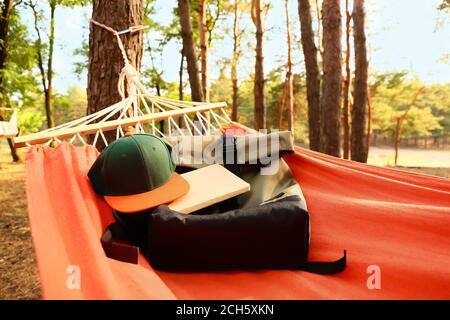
(208, 185)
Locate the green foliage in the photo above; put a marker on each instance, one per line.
(445, 5)
(30, 121)
(421, 122)
(382, 117)
(301, 127)
(70, 106)
(82, 52)
(221, 88)
(274, 92)
(214, 11)
(391, 92)
(437, 98)
(18, 81)
(19, 86)
(158, 36)
(392, 95)
(170, 90)
(274, 95)
(71, 3)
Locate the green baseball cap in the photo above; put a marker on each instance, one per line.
(136, 173)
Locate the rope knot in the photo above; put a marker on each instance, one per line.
(129, 76)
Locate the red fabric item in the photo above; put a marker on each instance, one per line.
(395, 220)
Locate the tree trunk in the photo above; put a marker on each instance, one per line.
(312, 73)
(105, 58)
(7, 10)
(180, 88)
(400, 120)
(369, 120)
(346, 122)
(51, 45)
(189, 50)
(281, 105)
(180, 74)
(259, 109)
(234, 63)
(46, 76)
(203, 32)
(158, 93)
(359, 112)
(319, 29)
(332, 79)
(13, 151)
(289, 87)
(397, 137)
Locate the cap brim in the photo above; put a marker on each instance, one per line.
(176, 187)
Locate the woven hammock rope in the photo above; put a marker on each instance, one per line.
(138, 109)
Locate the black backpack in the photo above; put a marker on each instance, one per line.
(236, 234)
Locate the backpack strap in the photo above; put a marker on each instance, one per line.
(230, 162)
(230, 158)
(115, 245)
(327, 267)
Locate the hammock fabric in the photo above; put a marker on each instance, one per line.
(8, 129)
(395, 220)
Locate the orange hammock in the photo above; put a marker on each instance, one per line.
(395, 220)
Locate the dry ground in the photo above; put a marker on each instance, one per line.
(423, 158)
(18, 274)
(441, 172)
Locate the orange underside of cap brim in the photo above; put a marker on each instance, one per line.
(176, 187)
